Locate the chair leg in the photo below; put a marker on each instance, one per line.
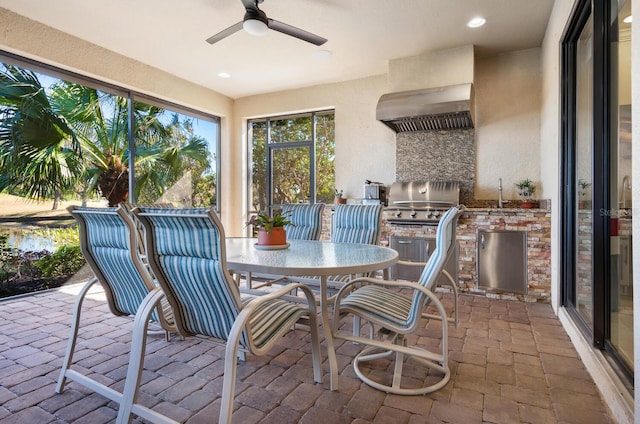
(315, 347)
(136, 358)
(73, 337)
(229, 381)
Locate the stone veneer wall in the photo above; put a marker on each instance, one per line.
(438, 156)
(536, 222)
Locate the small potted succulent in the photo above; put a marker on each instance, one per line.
(270, 228)
(338, 197)
(526, 190)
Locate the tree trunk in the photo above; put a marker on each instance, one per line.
(56, 200)
(114, 181)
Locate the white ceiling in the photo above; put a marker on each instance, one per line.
(363, 35)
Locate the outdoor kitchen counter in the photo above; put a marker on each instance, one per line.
(536, 222)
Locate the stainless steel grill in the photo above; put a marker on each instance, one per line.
(420, 202)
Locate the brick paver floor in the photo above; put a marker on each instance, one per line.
(511, 362)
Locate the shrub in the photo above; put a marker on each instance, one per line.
(66, 260)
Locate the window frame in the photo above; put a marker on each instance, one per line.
(271, 147)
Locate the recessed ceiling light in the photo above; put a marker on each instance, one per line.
(476, 22)
(627, 20)
(323, 54)
(224, 75)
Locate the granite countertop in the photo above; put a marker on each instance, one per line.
(512, 207)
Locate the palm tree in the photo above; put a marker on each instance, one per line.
(82, 134)
(40, 156)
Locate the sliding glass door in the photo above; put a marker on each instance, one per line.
(596, 189)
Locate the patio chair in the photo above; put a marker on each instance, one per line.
(187, 253)
(306, 220)
(110, 249)
(351, 223)
(356, 223)
(393, 310)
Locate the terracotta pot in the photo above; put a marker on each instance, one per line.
(277, 236)
(341, 200)
(527, 205)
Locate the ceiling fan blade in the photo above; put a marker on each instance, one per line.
(225, 33)
(296, 32)
(251, 4)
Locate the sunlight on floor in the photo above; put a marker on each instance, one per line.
(96, 292)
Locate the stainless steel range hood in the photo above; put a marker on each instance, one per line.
(441, 108)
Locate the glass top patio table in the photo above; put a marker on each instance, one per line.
(311, 258)
(306, 257)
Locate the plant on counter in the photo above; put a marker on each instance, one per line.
(526, 190)
(338, 196)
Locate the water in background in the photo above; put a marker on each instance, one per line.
(28, 241)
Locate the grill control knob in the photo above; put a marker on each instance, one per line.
(427, 215)
(398, 214)
(436, 214)
(413, 214)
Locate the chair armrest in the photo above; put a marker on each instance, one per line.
(409, 263)
(399, 284)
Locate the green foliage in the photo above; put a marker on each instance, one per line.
(287, 142)
(204, 190)
(66, 260)
(8, 260)
(61, 140)
(526, 188)
(59, 236)
(263, 220)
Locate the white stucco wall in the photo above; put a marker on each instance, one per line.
(432, 69)
(508, 123)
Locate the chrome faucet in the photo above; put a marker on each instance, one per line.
(501, 202)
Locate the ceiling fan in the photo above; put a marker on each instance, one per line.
(255, 22)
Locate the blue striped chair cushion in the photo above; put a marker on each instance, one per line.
(270, 317)
(356, 224)
(306, 220)
(379, 302)
(108, 244)
(187, 249)
(444, 241)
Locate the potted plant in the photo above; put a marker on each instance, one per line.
(582, 192)
(271, 230)
(526, 190)
(338, 197)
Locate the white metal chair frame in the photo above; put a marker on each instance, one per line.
(161, 310)
(363, 302)
(239, 334)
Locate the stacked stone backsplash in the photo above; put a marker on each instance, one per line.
(447, 155)
(537, 224)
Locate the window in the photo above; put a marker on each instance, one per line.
(291, 159)
(66, 139)
(86, 149)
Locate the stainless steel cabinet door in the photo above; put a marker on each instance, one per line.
(501, 260)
